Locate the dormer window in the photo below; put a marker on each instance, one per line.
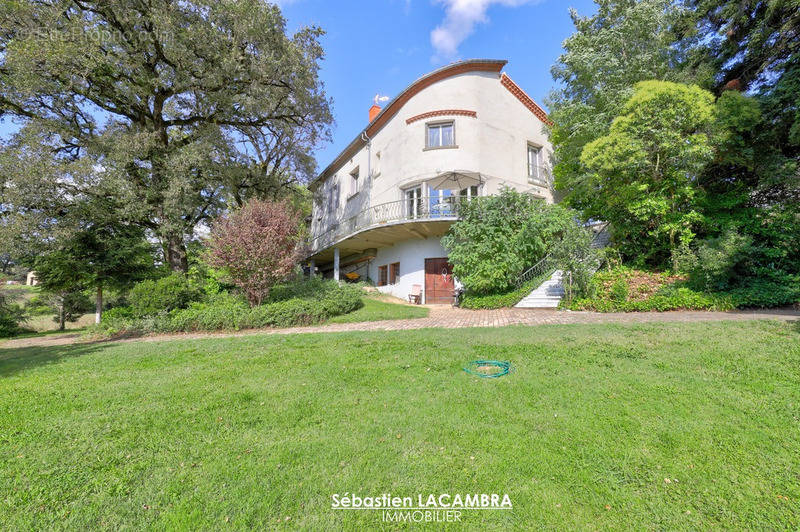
(440, 135)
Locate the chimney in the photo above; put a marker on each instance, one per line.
(373, 112)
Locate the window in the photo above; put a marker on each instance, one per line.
(535, 174)
(440, 135)
(382, 275)
(333, 199)
(414, 207)
(394, 272)
(354, 182)
(469, 192)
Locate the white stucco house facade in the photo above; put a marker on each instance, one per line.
(381, 207)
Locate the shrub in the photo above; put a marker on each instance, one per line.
(497, 237)
(320, 301)
(10, 317)
(116, 319)
(619, 290)
(40, 305)
(162, 295)
(675, 293)
(718, 260)
(765, 294)
(257, 246)
(305, 288)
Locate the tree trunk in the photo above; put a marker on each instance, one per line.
(61, 320)
(98, 304)
(176, 254)
(672, 250)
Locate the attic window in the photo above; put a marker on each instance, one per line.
(440, 135)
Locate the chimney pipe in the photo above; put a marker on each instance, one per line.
(373, 112)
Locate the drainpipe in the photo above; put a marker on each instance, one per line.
(368, 140)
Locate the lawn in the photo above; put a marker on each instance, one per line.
(658, 426)
(46, 323)
(375, 309)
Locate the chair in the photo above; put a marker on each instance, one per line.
(416, 294)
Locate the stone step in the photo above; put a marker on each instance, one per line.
(537, 304)
(546, 295)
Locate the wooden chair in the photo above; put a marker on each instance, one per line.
(416, 294)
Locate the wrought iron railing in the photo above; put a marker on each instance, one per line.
(410, 209)
(545, 265)
(548, 263)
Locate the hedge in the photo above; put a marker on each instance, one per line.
(679, 296)
(229, 312)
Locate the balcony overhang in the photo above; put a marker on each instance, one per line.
(363, 241)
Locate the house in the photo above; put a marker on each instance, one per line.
(31, 279)
(381, 207)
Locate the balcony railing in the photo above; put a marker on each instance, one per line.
(417, 209)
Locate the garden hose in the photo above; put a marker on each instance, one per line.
(482, 368)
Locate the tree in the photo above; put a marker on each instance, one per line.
(625, 42)
(645, 170)
(183, 107)
(257, 245)
(10, 316)
(752, 46)
(497, 237)
(97, 257)
(744, 43)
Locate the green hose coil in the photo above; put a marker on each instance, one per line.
(488, 369)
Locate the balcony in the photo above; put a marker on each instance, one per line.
(387, 223)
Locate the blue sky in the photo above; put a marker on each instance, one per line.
(381, 46)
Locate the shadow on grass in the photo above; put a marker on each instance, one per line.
(19, 359)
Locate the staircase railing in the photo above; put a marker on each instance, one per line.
(549, 262)
(538, 269)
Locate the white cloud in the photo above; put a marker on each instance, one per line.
(459, 22)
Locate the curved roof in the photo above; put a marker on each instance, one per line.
(394, 106)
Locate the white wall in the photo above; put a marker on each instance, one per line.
(494, 144)
(411, 255)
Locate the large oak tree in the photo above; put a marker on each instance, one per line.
(183, 108)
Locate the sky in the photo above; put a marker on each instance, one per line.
(381, 46)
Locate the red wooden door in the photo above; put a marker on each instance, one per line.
(439, 284)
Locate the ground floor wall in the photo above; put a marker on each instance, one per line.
(411, 255)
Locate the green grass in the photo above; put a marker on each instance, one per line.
(45, 324)
(376, 310)
(243, 432)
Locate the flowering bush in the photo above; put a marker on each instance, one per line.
(257, 246)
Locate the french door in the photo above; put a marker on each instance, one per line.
(414, 206)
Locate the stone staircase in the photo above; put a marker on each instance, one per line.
(549, 293)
